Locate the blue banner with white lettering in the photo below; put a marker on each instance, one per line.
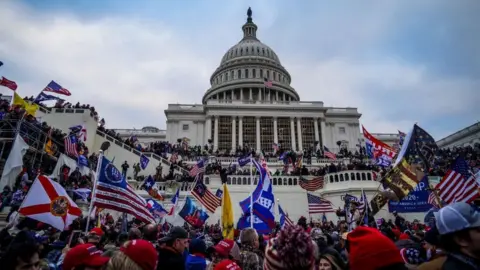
(415, 201)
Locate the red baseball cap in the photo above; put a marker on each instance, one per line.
(224, 247)
(227, 265)
(86, 255)
(142, 252)
(98, 231)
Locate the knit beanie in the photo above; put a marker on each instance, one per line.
(369, 249)
(291, 249)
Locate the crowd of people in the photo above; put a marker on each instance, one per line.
(451, 242)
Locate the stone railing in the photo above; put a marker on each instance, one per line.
(67, 110)
(270, 161)
(138, 153)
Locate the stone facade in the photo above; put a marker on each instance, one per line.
(251, 103)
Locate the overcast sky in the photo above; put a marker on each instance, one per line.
(398, 62)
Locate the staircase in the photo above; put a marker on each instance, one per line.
(120, 152)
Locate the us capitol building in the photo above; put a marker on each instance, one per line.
(241, 107)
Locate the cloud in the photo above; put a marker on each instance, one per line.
(131, 67)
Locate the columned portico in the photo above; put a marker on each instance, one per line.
(240, 131)
(257, 120)
(322, 130)
(315, 126)
(234, 143)
(275, 130)
(299, 130)
(292, 132)
(208, 129)
(215, 135)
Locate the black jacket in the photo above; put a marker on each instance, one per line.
(169, 259)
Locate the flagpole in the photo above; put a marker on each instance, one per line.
(251, 192)
(94, 188)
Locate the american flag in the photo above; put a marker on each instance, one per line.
(122, 200)
(71, 146)
(198, 168)
(329, 154)
(433, 200)
(311, 185)
(203, 195)
(9, 84)
(318, 205)
(56, 88)
(284, 218)
(267, 83)
(458, 184)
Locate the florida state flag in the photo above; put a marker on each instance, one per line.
(48, 202)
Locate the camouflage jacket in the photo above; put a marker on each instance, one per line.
(249, 260)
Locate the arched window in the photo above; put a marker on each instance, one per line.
(239, 74)
(247, 50)
(232, 74)
(241, 51)
(254, 75)
(226, 76)
(246, 73)
(268, 74)
(261, 73)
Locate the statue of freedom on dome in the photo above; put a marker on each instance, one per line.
(249, 12)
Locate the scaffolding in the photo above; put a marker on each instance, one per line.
(34, 136)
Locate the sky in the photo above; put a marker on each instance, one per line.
(399, 62)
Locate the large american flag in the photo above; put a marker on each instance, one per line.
(329, 154)
(318, 205)
(71, 145)
(458, 184)
(204, 196)
(311, 185)
(198, 168)
(116, 198)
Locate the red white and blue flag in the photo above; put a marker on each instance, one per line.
(458, 184)
(56, 88)
(71, 145)
(174, 202)
(198, 168)
(328, 154)
(113, 192)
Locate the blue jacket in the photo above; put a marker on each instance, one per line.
(195, 263)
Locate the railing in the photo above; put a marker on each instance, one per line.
(136, 152)
(67, 110)
(345, 176)
(270, 161)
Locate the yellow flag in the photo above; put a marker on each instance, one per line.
(29, 108)
(49, 147)
(227, 215)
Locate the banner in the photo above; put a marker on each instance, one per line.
(193, 214)
(415, 201)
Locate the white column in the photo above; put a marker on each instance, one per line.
(276, 94)
(215, 134)
(251, 94)
(275, 130)
(322, 131)
(240, 131)
(315, 127)
(299, 130)
(241, 93)
(292, 133)
(258, 133)
(234, 143)
(259, 94)
(208, 129)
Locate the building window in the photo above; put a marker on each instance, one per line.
(232, 74)
(185, 127)
(268, 74)
(261, 73)
(254, 73)
(341, 130)
(239, 74)
(226, 76)
(246, 73)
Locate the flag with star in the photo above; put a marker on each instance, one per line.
(412, 163)
(48, 202)
(149, 186)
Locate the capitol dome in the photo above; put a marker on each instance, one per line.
(250, 71)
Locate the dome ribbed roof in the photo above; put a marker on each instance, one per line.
(250, 48)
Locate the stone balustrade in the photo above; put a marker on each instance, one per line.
(273, 161)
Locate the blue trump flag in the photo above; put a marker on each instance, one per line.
(155, 208)
(415, 201)
(193, 214)
(242, 161)
(144, 162)
(263, 205)
(109, 174)
(44, 97)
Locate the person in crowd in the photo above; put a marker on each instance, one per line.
(196, 260)
(171, 256)
(435, 255)
(125, 167)
(22, 253)
(459, 228)
(111, 250)
(369, 249)
(249, 257)
(137, 254)
(84, 257)
(292, 249)
(225, 253)
(330, 259)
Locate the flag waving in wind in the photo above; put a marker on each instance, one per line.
(284, 219)
(48, 202)
(227, 215)
(56, 88)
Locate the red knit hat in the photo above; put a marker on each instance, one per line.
(142, 252)
(369, 249)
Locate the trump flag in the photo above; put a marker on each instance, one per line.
(48, 202)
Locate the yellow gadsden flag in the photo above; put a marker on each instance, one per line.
(227, 215)
(29, 108)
